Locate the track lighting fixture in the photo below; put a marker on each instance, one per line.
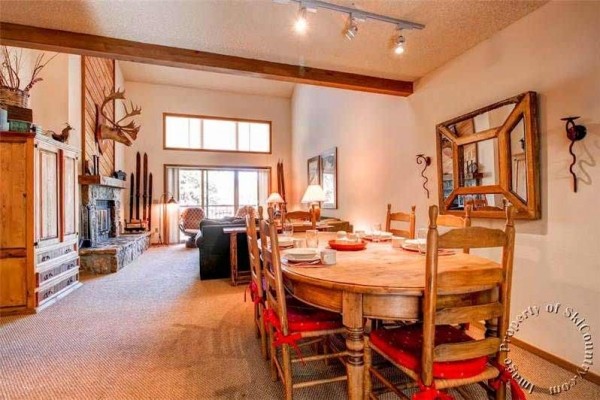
(355, 16)
(301, 23)
(399, 43)
(351, 28)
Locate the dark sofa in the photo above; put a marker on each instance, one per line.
(213, 247)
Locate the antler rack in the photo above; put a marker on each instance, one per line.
(109, 129)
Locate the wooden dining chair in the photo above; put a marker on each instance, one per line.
(437, 354)
(291, 326)
(401, 217)
(256, 282)
(306, 216)
(454, 221)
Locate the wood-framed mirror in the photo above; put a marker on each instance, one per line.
(489, 158)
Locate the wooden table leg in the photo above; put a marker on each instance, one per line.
(353, 321)
(233, 260)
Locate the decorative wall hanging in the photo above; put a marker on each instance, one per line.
(574, 133)
(423, 159)
(109, 129)
(328, 177)
(313, 170)
(490, 157)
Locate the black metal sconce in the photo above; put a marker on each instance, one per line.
(423, 159)
(574, 133)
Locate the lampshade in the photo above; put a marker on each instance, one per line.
(275, 198)
(313, 194)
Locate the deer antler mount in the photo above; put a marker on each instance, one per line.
(108, 128)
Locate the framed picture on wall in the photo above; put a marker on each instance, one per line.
(313, 170)
(329, 177)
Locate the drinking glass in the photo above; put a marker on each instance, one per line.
(422, 240)
(376, 232)
(312, 238)
(288, 229)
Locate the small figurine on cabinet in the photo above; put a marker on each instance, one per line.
(64, 134)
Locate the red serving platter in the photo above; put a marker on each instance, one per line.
(348, 246)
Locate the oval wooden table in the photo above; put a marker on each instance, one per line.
(379, 282)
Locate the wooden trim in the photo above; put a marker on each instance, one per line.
(102, 180)
(554, 359)
(168, 114)
(127, 50)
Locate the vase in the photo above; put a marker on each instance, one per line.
(14, 97)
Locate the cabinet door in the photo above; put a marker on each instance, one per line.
(47, 190)
(70, 208)
(13, 285)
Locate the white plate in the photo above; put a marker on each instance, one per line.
(300, 254)
(285, 241)
(413, 244)
(382, 236)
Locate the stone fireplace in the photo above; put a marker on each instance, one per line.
(104, 249)
(100, 214)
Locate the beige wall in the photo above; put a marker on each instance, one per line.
(553, 51)
(157, 99)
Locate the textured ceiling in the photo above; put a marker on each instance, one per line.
(136, 72)
(262, 29)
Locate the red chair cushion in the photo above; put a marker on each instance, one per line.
(303, 317)
(404, 346)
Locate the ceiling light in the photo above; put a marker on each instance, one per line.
(399, 44)
(352, 28)
(301, 23)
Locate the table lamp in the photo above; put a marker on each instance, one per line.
(313, 195)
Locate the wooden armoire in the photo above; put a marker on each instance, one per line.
(39, 221)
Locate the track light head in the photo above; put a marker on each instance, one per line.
(301, 23)
(399, 42)
(351, 28)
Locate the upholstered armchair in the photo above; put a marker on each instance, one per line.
(189, 224)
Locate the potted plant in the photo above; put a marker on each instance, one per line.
(12, 90)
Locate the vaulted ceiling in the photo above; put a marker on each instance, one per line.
(262, 29)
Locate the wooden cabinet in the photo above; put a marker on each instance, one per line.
(39, 199)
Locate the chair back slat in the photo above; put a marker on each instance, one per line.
(464, 281)
(401, 217)
(458, 315)
(272, 270)
(472, 237)
(469, 279)
(466, 350)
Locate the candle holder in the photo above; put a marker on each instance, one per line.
(575, 133)
(423, 159)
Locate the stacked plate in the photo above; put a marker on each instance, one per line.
(300, 255)
(413, 244)
(285, 242)
(382, 236)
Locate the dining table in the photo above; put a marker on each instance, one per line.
(380, 282)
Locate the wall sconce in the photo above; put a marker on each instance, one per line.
(574, 133)
(423, 159)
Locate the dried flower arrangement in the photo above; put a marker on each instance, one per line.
(10, 71)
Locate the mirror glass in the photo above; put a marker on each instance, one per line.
(518, 160)
(482, 122)
(479, 202)
(447, 166)
(479, 163)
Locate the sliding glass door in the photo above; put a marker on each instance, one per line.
(220, 192)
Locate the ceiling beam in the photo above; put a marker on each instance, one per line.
(127, 50)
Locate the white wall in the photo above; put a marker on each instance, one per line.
(553, 51)
(157, 99)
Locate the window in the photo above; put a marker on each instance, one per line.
(216, 134)
(219, 191)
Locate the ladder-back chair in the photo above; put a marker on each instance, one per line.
(401, 217)
(306, 216)
(289, 325)
(437, 354)
(454, 221)
(256, 281)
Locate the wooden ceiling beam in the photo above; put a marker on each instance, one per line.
(127, 50)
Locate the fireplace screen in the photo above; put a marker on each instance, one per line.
(104, 210)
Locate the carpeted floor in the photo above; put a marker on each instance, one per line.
(154, 331)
